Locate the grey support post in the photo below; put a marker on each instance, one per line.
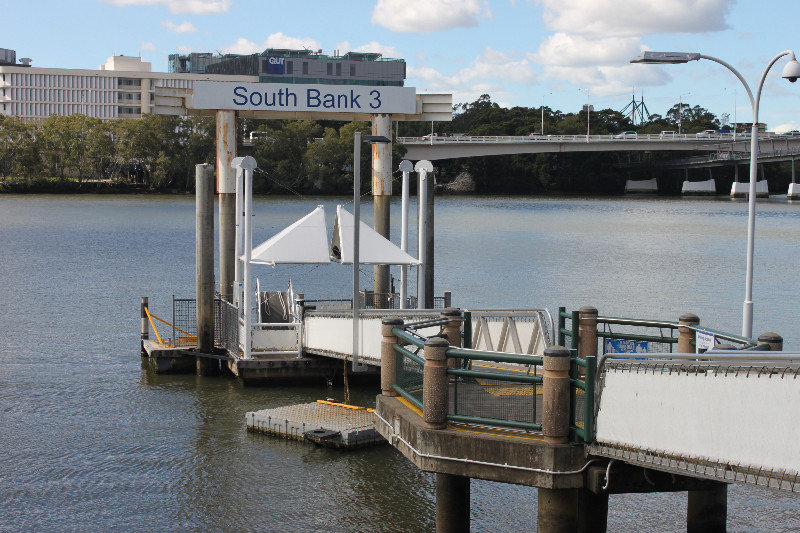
(381, 194)
(434, 384)
(452, 503)
(204, 266)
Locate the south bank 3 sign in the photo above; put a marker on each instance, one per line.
(298, 97)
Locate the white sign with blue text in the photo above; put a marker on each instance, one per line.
(299, 97)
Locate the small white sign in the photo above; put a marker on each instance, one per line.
(703, 341)
(301, 97)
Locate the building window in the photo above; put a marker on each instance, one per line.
(338, 69)
(289, 67)
(330, 69)
(305, 67)
(352, 69)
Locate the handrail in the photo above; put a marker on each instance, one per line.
(497, 357)
(410, 339)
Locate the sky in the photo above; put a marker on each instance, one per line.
(562, 53)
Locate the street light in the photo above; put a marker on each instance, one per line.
(791, 71)
(680, 113)
(587, 113)
(543, 112)
(357, 140)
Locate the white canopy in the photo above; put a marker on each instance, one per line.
(304, 242)
(374, 249)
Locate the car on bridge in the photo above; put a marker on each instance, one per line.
(626, 135)
(668, 134)
(706, 134)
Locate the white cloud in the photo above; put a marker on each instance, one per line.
(276, 40)
(787, 126)
(197, 7)
(426, 16)
(185, 49)
(490, 64)
(613, 18)
(147, 47)
(183, 27)
(578, 51)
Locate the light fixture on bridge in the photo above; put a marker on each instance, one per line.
(791, 72)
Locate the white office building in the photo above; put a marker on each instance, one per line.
(121, 88)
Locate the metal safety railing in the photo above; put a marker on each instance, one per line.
(633, 335)
(181, 331)
(492, 388)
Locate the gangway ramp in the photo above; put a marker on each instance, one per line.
(730, 416)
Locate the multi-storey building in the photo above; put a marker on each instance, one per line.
(122, 88)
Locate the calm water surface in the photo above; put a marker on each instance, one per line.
(92, 441)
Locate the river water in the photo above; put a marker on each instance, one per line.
(92, 441)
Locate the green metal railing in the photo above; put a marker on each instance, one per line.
(486, 394)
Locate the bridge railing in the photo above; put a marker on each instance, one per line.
(648, 137)
(479, 387)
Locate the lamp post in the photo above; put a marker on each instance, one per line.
(587, 113)
(357, 139)
(791, 71)
(543, 113)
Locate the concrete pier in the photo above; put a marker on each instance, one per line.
(381, 195)
(204, 267)
(452, 503)
(226, 187)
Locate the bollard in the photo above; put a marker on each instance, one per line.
(686, 335)
(388, 355)
(587, 332)
(774, 340)
(145, 325)
(555, 395)
(434, 384)
(453, 327)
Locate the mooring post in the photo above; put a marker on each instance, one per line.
(434, 384)
(707, 509)
(204, 267)
(686, 335)
(452, 328)
(592, 508)
(587, 332)
(388, 355)
(429, 242)
(381, 194)
(774, 341)
(558, 508)
(145, 326)
(452, 503)
(226, 187)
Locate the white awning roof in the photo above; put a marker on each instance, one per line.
(374, 249)
(304, 242)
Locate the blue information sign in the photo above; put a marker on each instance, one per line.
(626, 346)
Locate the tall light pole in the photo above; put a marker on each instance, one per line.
(543, 112)
(587, 113)
(791, 71)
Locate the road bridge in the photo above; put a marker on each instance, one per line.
(437, 148)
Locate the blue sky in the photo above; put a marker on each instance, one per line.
(520, 52)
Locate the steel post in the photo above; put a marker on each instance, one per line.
(356, 364)
(145, 326)
(226, 187)
(429, 243)
(405, 167)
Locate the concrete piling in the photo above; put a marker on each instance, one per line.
(555, 395)
(204, 266)
(381, 194)
(707, 511)
(685, 334)
(557, 510)
(434, 378)
(388, 355)
(226, 187)
(452, 503)
(145, 326)
(771, 338)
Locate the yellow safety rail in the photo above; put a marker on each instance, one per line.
(151, 317)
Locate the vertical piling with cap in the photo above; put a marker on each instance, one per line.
(388, 355)
(204, 266)
(452, 503)
(144, 326)
(381, 194)
(226, 187)
(557, 508)
(434, 379)
(707, 509)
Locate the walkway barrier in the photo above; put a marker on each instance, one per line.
(518, 331)
(485, 388)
